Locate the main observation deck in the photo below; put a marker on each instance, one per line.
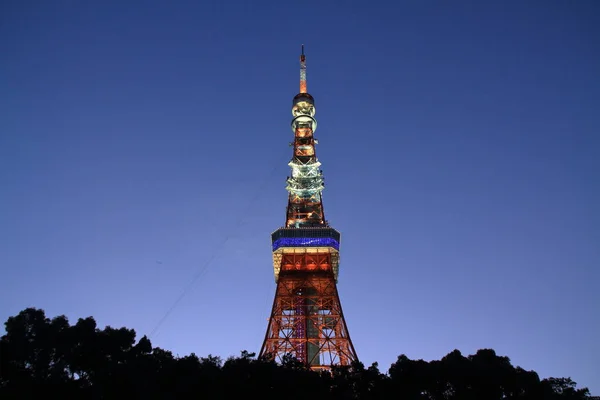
(305, 240)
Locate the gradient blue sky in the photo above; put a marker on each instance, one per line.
(143, 152)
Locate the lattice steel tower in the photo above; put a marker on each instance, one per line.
(306, 320)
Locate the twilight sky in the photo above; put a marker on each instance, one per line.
(144, 150)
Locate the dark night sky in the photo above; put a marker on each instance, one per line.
(143, 152)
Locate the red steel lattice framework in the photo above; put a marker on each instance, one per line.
(306, 320)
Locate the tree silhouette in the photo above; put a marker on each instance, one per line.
(49, 358)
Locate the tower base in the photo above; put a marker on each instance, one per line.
(307, 321)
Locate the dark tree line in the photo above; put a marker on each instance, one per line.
(49, 358)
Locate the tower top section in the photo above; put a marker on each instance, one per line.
(302, 72)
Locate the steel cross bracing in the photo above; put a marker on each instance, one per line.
(306, 320)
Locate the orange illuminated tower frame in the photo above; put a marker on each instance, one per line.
(306, 320)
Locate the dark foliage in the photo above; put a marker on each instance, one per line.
(48, 358)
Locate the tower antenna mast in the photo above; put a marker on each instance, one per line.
(302, 72)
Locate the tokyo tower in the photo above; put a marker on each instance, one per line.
(306, 320)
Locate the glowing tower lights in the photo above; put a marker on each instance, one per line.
(306, 320)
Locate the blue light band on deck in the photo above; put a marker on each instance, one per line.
(306, 242)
